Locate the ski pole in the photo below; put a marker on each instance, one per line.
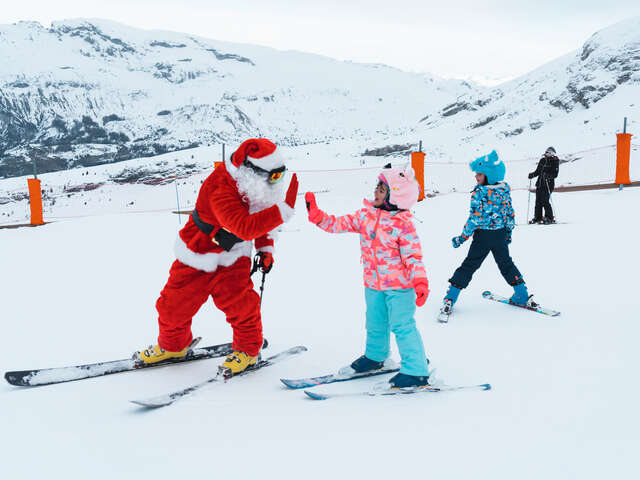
(553, 207)
(264, 275)
(175, 182)
(528, 201)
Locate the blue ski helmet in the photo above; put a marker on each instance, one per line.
(491, 166)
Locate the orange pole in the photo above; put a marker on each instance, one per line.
(35, 201)
(623, 152)
(417, 162)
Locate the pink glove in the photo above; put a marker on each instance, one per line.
(315, 214)
(422, 291)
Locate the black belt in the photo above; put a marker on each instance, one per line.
(204, 227)
(224, 238)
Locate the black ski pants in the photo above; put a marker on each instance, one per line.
(485, 241)
(543, 195)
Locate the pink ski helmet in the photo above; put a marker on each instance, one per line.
(403, 187)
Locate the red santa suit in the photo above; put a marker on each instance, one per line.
(225, 206)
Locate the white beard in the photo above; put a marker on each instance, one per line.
(256, 190)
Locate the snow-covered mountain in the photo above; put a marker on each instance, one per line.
(574, 101)
(87, 92)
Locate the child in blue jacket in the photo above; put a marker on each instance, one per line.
(491, 221)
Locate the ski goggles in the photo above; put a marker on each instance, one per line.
(273, 176)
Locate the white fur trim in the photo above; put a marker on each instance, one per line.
(270, 162)
(231, 168)
(286, 212)
(209, 262)
(267, 249)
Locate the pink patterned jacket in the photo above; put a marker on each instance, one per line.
(391, 251)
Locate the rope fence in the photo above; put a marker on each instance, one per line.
(593, 166)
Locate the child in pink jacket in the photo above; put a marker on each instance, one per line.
(394, 275)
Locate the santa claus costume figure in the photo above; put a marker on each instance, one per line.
(241, 202)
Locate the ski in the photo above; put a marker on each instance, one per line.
(533, 307)
(445, 313)
(169, 398)
(552, 223)
(49, 376)
(397, 391)
(332, 378)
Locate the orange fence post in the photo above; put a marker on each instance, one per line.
(623, 152)
(35, 201)
(417, 162)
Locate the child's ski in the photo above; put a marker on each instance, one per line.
(534, 307)
(396, 391)
(48, 376)
(168, 399)
(445, 312)
(332, 378)
(536, 223)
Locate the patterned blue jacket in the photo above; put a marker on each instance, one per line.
(491, 209)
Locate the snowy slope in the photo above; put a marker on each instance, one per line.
(83, 288)
(564, 398)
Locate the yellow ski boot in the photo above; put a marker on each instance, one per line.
(154, 354)
(235, 363)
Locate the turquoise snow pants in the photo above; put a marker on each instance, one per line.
(392, 311)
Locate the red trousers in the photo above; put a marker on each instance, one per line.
(232, 292)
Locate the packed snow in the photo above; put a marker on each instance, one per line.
(564, 398)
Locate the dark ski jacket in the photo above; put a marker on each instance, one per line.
(546, 172)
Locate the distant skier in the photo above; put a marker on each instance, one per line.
(394, 275)
(547, 171)
(491, 221)
(239, 203)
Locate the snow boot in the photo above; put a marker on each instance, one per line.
(402, 380)
(535, 220)
(548, 220)
(521, 295)
(156, 354)
(360, 365)
(452, 294)
(235, 363)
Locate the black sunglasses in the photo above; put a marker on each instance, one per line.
(273, 176)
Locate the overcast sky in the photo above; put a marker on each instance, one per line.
(480, 40)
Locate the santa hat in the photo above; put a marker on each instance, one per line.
(261, 152)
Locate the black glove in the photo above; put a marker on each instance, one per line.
(531, 175)
(262, 261)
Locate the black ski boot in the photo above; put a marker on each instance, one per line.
(360, 365)
(364, 364)
(402, 380)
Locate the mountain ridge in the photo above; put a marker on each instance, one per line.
(86, 92)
